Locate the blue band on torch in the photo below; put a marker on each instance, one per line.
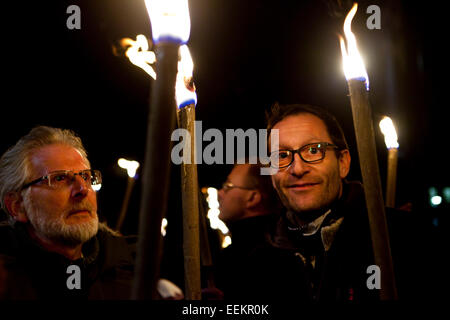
(362, 79)
(168, 38)
(186, 103)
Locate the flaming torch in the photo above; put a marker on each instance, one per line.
(170, 24)
(390, 138)
(358, 82)
(137, 52)
(186, 100)
(131, 167)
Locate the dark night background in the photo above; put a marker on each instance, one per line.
(247, 55)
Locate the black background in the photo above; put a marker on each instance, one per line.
(247, 55)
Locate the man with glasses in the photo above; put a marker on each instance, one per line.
(249, 206)
(324, 230)
(54, 245)
(246, 194)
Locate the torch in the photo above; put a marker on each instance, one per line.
(186, 100)
(131, 167)
(137, 52)
(358, 82)
(170, 28)
(390, 138)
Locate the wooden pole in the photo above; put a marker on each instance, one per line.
(391, 181)
(189, 194)
(205, 248)
(156, 172)
(126, 200)
(365, 138)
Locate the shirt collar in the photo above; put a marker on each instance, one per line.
(310, 228)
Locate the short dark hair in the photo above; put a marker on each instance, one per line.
(280, 111)
(263, 183)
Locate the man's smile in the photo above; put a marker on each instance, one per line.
(302, 186)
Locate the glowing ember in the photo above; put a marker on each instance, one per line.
(352, 61)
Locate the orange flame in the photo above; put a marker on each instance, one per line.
(390, 134)
(139, 55)
(352, 61)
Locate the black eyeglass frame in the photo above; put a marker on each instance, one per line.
(94, 173)
(297, 151)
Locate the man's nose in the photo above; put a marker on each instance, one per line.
(80, 187)
(299, 167)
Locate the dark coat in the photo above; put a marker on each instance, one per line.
(341, 271)
(249, 268)
(30, 272)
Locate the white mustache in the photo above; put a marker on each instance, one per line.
(86, 206)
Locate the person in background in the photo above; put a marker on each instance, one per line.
(249, 207)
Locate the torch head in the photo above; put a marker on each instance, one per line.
(389, 132)
(184, 87)
(138, 54)
(130, 165)
(352, 61)
(170, 20)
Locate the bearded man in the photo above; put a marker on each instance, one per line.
(53, 246)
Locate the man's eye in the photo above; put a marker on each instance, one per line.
(85, 176)
(60, 177)
(313, 150)
(283, 155)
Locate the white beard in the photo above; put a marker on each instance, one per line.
(56, 230)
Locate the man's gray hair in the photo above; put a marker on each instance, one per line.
(14, 163)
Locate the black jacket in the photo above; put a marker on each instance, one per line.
(250, 269)
(343, 255)
(27, 271)
(235, 269)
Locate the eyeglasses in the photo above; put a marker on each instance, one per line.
(228, 185)
(309, 153)
(64, 178)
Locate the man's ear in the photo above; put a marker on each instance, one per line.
(14, 205)
(253, 199)
(344, 163)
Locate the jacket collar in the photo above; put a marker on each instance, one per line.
(351, 200)
(30, 249)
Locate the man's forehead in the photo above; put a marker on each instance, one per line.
(301, 129)
(57, 157)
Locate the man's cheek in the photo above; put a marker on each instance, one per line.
(93, 201)
(273, 178)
